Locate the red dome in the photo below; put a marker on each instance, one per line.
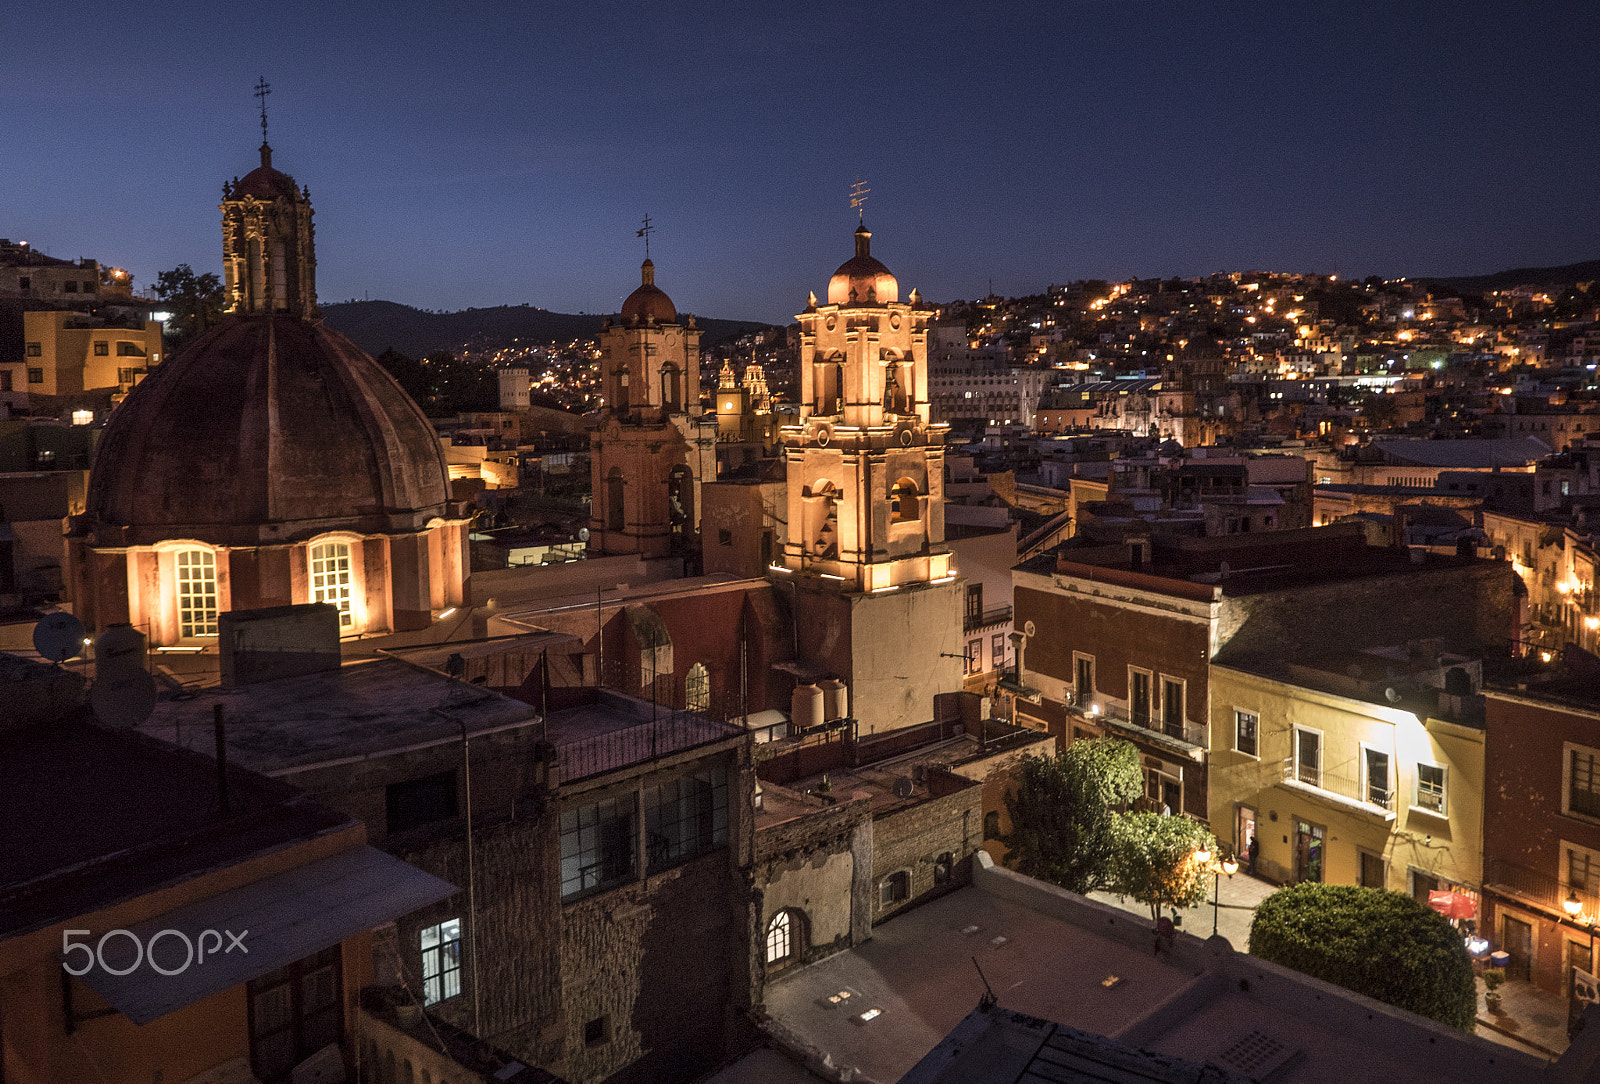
(649, 300)
(265, 182)
(863, 279)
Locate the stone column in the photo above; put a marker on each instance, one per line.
(410, 591)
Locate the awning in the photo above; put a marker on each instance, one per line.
(282, 919)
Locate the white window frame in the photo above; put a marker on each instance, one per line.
(1161, 695)
(1256, 715)
(1094, 678)
(447, 979)
(697, 689)
(780, 935)
(1155, 696)
(192, 610)
(1444, 789)
(1564, 869)
(1322, 754)
(1389, 783)
(1567, 749)
(331, 584)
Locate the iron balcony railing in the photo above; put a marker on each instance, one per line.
(648, 740)
(1194, 734)
(1536, 887)
(993, 616)
(1339, 783)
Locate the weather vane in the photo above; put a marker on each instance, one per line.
(858, 198)
(644, 231)
(263, 88)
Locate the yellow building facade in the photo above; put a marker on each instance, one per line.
(65, 353)
(1338, 789)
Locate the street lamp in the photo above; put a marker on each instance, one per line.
(1230, 866)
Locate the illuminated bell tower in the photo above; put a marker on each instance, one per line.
(652, 446)
(877, 602)
(866, 461)
(268, 257)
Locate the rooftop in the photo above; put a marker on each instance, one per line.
(96, 816)
(1050, 954)
(360, 710)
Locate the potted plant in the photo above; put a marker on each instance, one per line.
(1492, 978)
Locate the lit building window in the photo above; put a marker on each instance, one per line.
(697, 689)
(441, 961)
(197, 593)
(330, 578)
(1430, 787)
(779, 937)
(82, 417)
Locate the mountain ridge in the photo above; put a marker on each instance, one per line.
(376, 326)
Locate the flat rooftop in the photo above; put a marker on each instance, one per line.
(1059, 957)
(615, 731)
(95, 816)
(287, 725)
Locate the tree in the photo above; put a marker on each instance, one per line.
(194, 300)
(1063, 827)
(1154, 860)
(408, 371)
(1382, 944)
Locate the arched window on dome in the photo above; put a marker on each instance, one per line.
(330, 579)
(197, 593)
(697, 689)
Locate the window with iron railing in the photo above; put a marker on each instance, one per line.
(1583, 781)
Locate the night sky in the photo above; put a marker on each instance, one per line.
(485, 153)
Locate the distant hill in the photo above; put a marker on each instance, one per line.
(376, 326)
(1566, 275)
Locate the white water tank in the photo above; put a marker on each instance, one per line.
(805, 707)
(835, 699)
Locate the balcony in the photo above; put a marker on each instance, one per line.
(1337, 789)
(1507, 879)
(1188, 739)
(997, 615)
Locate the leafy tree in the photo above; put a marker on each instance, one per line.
(194, 300)
(1153, 860)
(408, 371)
(1063, 827)
(1382, 944)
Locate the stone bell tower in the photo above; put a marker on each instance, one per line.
(875, 592)
(653, 445)
(268, 258)
(866, 462)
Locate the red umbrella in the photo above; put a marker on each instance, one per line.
(1452, 904)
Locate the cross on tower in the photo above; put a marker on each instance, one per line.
(858, 197)
(644, 231)
(263, 88)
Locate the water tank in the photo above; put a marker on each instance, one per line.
(805, 707)
(835, 699)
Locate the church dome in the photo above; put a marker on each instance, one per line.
(649, 300)
(264, 182)
(264, 430)
(864, 276)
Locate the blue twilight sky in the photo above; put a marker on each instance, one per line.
(479, 153)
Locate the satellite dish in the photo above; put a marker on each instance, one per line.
(902, 787)
(1391, 694)
(124, 698)
(583, 534)
(58, 637)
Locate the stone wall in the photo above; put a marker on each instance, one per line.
(818, 864)
(912, 839)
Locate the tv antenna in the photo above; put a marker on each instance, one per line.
(263, 88)
(644, 231)
(858, 198)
